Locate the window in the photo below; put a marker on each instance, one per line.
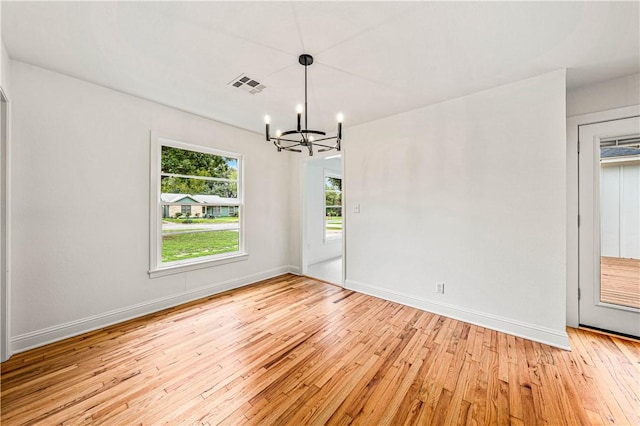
(195, 186)
(332, 207)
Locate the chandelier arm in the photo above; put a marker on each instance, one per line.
(290, 146)
(293, 150)
(325, 139)
(304, 132)
(288, 140)
(324, 146)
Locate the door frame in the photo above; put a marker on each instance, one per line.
(573, 251)
(303, 212)
(5, 228)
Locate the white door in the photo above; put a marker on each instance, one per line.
(609, 208)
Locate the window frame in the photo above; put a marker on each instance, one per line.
(156, 266)
(325, 238)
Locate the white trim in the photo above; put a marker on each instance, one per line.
(156, 267)
(618, 160)
(344, 219)
(192, 266)
(537, 333)
(5, 322)
(55, 333)
(572, 199)
(295, 270)
(200, 177)
(302, 198)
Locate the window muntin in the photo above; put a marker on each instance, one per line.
(332, 207)
(198, 189)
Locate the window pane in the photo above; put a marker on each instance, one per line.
(619, 225)
(199, 203)
(333, 209)
(333, 226)
(171, 213)
(334, 212)
(333, 198)
(195, 188)
(194, 237)
(177, 246)
(333, 183)
(193, 163)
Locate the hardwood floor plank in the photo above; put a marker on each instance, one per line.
(293, 350)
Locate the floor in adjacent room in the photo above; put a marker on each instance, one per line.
(329, 271)
(294, 350)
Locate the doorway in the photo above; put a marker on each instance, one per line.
(609, 225)
(323, 219)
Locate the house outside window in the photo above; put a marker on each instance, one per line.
(195, 186)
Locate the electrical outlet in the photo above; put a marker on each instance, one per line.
(440, 287)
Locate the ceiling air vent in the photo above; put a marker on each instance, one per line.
(247, 84)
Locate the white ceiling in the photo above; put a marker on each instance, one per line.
(372, 59)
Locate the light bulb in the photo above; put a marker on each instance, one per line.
(267, 119)
(299, 109)
(311, 139)
(278, 133)
(340, 117)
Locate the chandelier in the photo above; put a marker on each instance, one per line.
(304, 137)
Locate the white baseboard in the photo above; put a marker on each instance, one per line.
(545, 335)
(295, 270)
(55, 333)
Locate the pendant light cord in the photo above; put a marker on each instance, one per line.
(305, 97)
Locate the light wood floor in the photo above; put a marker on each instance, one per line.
(292, 350)
(620, 281)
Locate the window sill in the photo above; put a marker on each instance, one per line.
(177, 269)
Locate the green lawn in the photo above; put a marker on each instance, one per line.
(203, 220)
(197, 244)
(176, 231)
(333, 222)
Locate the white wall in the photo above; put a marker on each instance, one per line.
(470, 192)
(4, 68)
(81, 152)
(620, 209)
(610, 94)
(317, 248)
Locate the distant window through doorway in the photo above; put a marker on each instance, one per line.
(332, 207)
